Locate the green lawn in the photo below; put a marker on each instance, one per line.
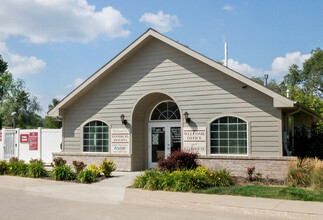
(289, 193)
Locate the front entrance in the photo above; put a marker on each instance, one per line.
(163, 138)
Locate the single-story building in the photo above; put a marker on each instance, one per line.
(157, 96)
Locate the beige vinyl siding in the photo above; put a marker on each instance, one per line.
(196, 87)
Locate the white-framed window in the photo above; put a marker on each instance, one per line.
(167, 110)
(96, 137)
(229, 135)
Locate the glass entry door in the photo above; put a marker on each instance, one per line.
(163, 138)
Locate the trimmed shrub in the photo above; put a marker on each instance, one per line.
(63, 172)
(95, 169)
(87, 176)
(222, 177)
(3, 167)
(78, 166)
(17, 167)
(179, 160)
(58, 161)
(183, 180)
(107, 167)
(36, 169)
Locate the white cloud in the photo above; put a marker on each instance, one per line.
(243, 68)
(160, 21)
(43, 21)
(18, 64)
(76, 83)
(227, 8)
(279, 66)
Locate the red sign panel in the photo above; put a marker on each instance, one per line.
(24, 138)
(33, 141)
(0, 135)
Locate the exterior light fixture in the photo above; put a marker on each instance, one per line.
(14, 114)
(187, 119)
(123, 120)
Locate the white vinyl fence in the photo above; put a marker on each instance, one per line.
(29, 144)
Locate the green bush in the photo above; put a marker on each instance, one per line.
(222, 177)
(87, 176)
(17, 167)
(183, 180)
(95, 169)
(3, 167)
(107, 167)
(36, 169)
(63, 172)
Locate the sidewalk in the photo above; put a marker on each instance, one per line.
(260, 207)
(114, 191)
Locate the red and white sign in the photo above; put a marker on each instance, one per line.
(24, 138)
(33, 141)
(120, 139)
(194, 140)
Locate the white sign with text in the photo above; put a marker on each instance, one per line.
(120, 139)
(194, 139)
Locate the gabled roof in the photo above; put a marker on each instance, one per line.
(279, 100)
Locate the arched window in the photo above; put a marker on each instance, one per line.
(228, 136)
(96, 137)
(166, 111)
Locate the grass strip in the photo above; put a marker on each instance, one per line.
(273, 192)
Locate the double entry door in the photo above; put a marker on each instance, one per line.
(163, 138)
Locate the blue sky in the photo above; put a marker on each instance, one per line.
(56, 44)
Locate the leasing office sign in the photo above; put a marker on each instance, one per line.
(120, 139)
(194, 140)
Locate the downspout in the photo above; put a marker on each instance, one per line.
(287, 120)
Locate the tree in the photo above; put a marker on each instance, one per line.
(15, 98)
(273, 85)
(310, 78)
(50, 122)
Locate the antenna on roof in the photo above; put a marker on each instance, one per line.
(226, 54)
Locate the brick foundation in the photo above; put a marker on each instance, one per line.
(269, 167)
(123, 162)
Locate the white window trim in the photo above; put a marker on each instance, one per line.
(82, 136)
(228, 155)
(151, 112)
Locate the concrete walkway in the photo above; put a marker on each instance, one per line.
(114, 191)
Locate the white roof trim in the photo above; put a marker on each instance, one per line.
(279, 100)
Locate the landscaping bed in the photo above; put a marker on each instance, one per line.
(79, 173)
(181, 173)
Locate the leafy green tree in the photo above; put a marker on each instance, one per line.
(50, 122)
(15, 98)
(310, 78)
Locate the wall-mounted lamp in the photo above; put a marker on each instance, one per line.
(123, 121)
(187, 119)
(14, 114)
(245, 86)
